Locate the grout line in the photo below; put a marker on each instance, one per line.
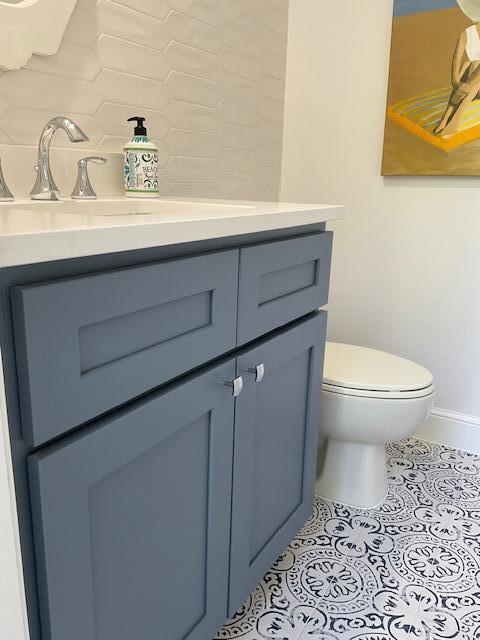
(130, 42)
(133, 75)
(195, 47)
(209, 24)
(157, 112)
(136, 10)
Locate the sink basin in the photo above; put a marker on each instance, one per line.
(127, 207)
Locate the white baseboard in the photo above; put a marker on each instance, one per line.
(452, 429)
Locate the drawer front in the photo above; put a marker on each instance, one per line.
(87, 344)
(282, 281)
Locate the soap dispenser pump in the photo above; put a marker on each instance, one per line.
(141, 163)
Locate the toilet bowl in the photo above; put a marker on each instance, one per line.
(369, 398)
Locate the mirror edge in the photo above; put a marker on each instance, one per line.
(31, 28)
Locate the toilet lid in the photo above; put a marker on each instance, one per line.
(354, 367)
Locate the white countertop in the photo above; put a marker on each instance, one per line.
(32, 232)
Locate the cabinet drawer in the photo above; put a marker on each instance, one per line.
(87, 344)
(281, 281)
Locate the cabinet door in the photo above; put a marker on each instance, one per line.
(276, 432)
(132, 519)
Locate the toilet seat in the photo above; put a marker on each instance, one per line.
(369, 373)
(386, 395)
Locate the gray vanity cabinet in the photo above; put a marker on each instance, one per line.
(132, 519)
(169, 418)
(276, 430)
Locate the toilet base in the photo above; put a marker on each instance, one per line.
(354, 474)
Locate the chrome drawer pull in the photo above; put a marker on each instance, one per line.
(236, 385)
(259, 372)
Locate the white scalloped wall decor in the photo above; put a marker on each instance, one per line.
(31, 26)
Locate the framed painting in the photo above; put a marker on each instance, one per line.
(433, 105)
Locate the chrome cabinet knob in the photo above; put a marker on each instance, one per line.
(259, 372)
(83, 189)
(236, 385)
(5, 194)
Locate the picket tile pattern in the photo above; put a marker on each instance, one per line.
(208, 74)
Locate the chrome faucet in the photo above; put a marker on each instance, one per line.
(45, 187)
(83, 189)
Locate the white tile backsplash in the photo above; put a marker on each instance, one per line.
(131, 25)
(240, 160)
(273, 65)
(271, 110)
(237, 112)
(121, 88)
(181, 142)
(191, 89)
(182, 114)
(233, 135)
(155, 8)
(245, 14)
(232, 184)
(115, 53)
(237, 38)
(206, 10)
(191, 60)
(184, 169)
(240, 63)
(207, 74)
(269, 131)
(276, 18)
(193, 32)
(271, 87)
(237, 88)
(270, 153)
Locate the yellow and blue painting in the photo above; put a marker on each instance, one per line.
(433, 106)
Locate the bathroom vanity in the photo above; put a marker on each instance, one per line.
(162, 365)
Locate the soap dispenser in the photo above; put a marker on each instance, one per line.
(141, 163)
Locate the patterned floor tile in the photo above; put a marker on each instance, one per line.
(407, 570)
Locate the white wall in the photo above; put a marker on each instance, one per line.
(406, 270)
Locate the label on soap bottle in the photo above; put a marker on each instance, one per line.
(141, 171)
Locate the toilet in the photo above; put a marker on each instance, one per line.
(369, 398)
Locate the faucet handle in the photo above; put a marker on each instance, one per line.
(83, 189)
(5, 194)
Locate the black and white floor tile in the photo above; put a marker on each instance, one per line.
(408, 570)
